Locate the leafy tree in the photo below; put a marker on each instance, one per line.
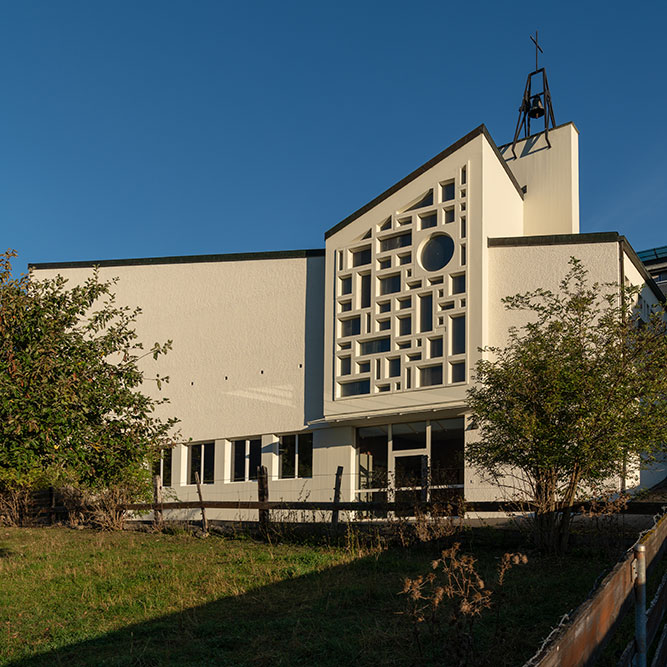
(576, 395)
(71, 401)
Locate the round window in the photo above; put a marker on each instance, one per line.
(437, 252)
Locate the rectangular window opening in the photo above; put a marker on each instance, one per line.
(394, 242)
(395, 367)
(305, 454)
(167, 455)
(366, 290)
(430, 376)
(350, 327)
(426, 312)
(427, 221)
(375, 346)
(361, 257)
(459, 284)
(448, 191)
(238, 458)
(255, 457)
(408, 436)
(458, 335)
(435, 348)
(390, 284)
(458, 372)
(201, 460)
(357, 388)
(287, 456)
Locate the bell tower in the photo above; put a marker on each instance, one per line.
(536, 102)
(544, 159)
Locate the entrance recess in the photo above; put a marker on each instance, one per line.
(411, 461)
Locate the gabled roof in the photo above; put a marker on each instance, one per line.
(425, 167)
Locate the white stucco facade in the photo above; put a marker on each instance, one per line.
(360, 355)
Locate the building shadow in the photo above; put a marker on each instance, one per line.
(316, 619)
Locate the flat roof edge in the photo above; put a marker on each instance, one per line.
(553, 129)
(552, 239)
(574, 239)
(183, 259)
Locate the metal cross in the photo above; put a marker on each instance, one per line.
(537, 48)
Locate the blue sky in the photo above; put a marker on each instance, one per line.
(149, 128)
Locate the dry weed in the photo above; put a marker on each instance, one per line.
(455, 593)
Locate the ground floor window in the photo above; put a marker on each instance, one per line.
(295, 455)
(246, 459)
(413, 461)
(162, 467)
(201, 459)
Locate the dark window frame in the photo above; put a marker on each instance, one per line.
(302, 461)
(248, 443)
(203, 453)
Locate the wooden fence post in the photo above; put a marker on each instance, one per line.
(263, 497)
(204, 522)
(157, 500)
(336, 498)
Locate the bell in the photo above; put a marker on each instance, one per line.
(536, 107)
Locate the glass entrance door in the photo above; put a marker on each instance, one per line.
(411, 462)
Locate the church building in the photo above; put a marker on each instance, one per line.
(360, 354)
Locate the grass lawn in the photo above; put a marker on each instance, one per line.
(85, 598)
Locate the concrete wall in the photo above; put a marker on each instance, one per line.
(551, 176)
(491, 206)
(246, 358)
(519, 269)
(247, 351)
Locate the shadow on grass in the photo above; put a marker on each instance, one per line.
(343, 615)
(348, 614)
